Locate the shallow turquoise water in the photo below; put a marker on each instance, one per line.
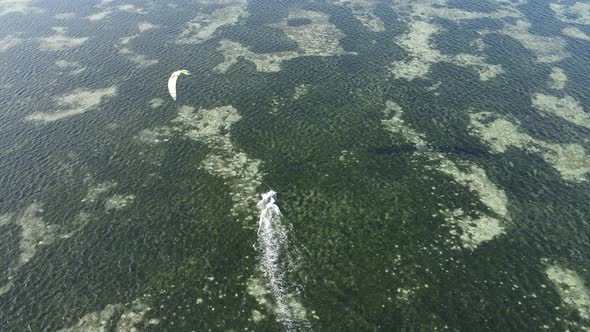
(365, 206)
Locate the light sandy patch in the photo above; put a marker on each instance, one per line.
(300, 91)
(8, 42)
(419, 15)
(34, 233)
(546, 49)
(485, 70)
(77, 102)
(100, 321)
(156, 103)
(317, 38)
(78, 223)
(476, 231)
(480, 44)
(571, 288)
(115, 317)
(203, 26)
(484, 227)
(134, 316)
(405, 295)
(70, 67)
(59, 41)
(212, 127)
(129, 8)
(144, 26)
(155, 135)
(118, 202)
(578, 13)
(17, 7)
(64, 16)
(258, 289)
(557, 78)
(141, 60)
(99, 16)
(576, 33)
(264, 62)
(422, 55)
(477, 181)
(364, 11)
(513, 2)
(5, 288)
(348, 158)
(126, 40)
(492, 131)
(427, 9)
(209, 126)
(566, 108)
(242, 174)
(570, 160)
(97, 191)
(393, 123)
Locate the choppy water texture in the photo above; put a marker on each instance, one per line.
(425, 163)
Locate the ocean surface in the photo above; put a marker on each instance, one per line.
(330, 165)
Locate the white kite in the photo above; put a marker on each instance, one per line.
(172, 81)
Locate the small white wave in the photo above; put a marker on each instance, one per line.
(275, 260)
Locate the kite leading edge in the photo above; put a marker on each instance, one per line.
(172, 81)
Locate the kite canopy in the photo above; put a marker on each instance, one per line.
(172, 81)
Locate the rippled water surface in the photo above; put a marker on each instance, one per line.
(331, 165)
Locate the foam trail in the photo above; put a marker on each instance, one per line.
(273, 247)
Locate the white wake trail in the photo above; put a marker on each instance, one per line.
(275, 258)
